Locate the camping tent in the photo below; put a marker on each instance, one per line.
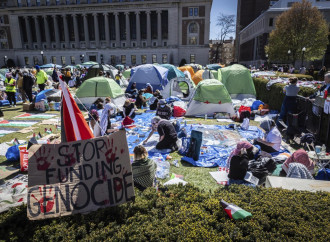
(182, 88)
(202, 75)
(127, 73)
(50, 65)
(100, 87)
(153, 74)
(173, 72)
(88, 63)
(214, 67)
(120, 67)
(238, 81)
(187, 68)
(196, 67)
(210, 97)
(51, 94)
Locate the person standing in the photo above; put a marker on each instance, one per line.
(28, 82)
(325, 87)
(10, 84)
(20, 86)
(290, 101)
(41, 77)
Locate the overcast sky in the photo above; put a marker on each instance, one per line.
(221, 6)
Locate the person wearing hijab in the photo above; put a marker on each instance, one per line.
(238, 160)
(149, 89)
(301, 157)
(298, 170)
(273, 140)
(105, 122)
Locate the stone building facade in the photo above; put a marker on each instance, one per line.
(129, 32)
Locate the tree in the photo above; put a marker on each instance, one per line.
(226, 24)
(301, 26)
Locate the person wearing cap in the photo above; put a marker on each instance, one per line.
(10, 84)
(273, 140)
(167, 134)
(41, 77)
(163, 110)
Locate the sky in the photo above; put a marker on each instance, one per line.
(221, 6)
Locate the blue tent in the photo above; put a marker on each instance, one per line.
(46, 93)
(173, 72)
(153, 74)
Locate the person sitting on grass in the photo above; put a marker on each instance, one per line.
(141, 101)
(164, 111)
(105, 123)
(129, 109)
(143, 168)
(273, 140)
(168, 137)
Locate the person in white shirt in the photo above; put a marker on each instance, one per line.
(113, 109)
(273, 140)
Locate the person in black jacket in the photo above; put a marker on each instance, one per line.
(326, 86)
(163, 110)
(28, 82)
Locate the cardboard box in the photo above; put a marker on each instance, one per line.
(28, 106)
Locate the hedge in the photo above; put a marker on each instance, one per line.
(299, 76)
(186, 213)
(274, 97)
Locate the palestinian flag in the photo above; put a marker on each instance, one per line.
(233, 211)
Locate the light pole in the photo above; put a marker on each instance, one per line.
(267, 60)
(302, 57)
(289, 53)
(82, 57)
(5, 60)
(101, 57)
(42, 57)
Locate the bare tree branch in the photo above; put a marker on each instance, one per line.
(226, 24)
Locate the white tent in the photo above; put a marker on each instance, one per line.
(182, 88)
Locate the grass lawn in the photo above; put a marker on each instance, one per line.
(197, 176)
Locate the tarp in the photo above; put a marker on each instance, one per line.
(210, 96)
(238, 81)
(173, 72)
(100, 87)
(47, 93)
(187, 68)
(153, 74)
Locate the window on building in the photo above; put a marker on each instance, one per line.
(47, 2)
(73, 60)
(113, 60)
(35, 60)
(193, 28)
(195, 11)
(44, 59)
(28, 2)
(154, 58)
(63, 60)
(19, 3)
(164, 59)
(38, 2)
(113, 45)
(154, 44)
(144, 44)
(191, 11)
(290, 4)
(26, 60)
(123, 59)
(165, 43)
(124, 44)
(271, 22)
(192, 59)
(143, 59)
(133, 59)
(134, 44)
(193, 40)
(57, 2)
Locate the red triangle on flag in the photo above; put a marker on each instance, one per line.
(4, 122)
(24, 115)
(220, 102)
(228, 211)
(207, 102)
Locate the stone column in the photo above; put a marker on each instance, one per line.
(76, 31)
(46, 26)
(57, 32)
(36, 23)
(86, 30)
(117, 29)
(29, 33)
(107, 29)
(66, 31)
(159, 27)
(97, 32)
(148, 29)
(138, 29)
(128, 30)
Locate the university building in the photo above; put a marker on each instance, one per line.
(253, 37)
(129, 32)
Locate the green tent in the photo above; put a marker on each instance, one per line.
(237, 79)
(212, 91)
(127, 73)
(99, 87)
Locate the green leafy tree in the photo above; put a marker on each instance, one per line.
(301, 26)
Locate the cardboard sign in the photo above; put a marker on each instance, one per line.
(79, 177)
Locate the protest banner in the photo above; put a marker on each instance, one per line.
(79, 176)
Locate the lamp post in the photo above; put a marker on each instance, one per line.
(42, 57)
(303, 54)
(101, 57)
(5, 60)
(82, 57)
(289, 53)
(267, 61)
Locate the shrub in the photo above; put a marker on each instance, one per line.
(274, 97)
(299, 76)
(186, 213)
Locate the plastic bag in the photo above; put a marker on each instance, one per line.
(13, 153)
(246, 123)
(178, 111)
(163, 167)
(185, 146)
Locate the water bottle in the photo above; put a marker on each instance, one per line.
(324, 150)
(185, 122)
